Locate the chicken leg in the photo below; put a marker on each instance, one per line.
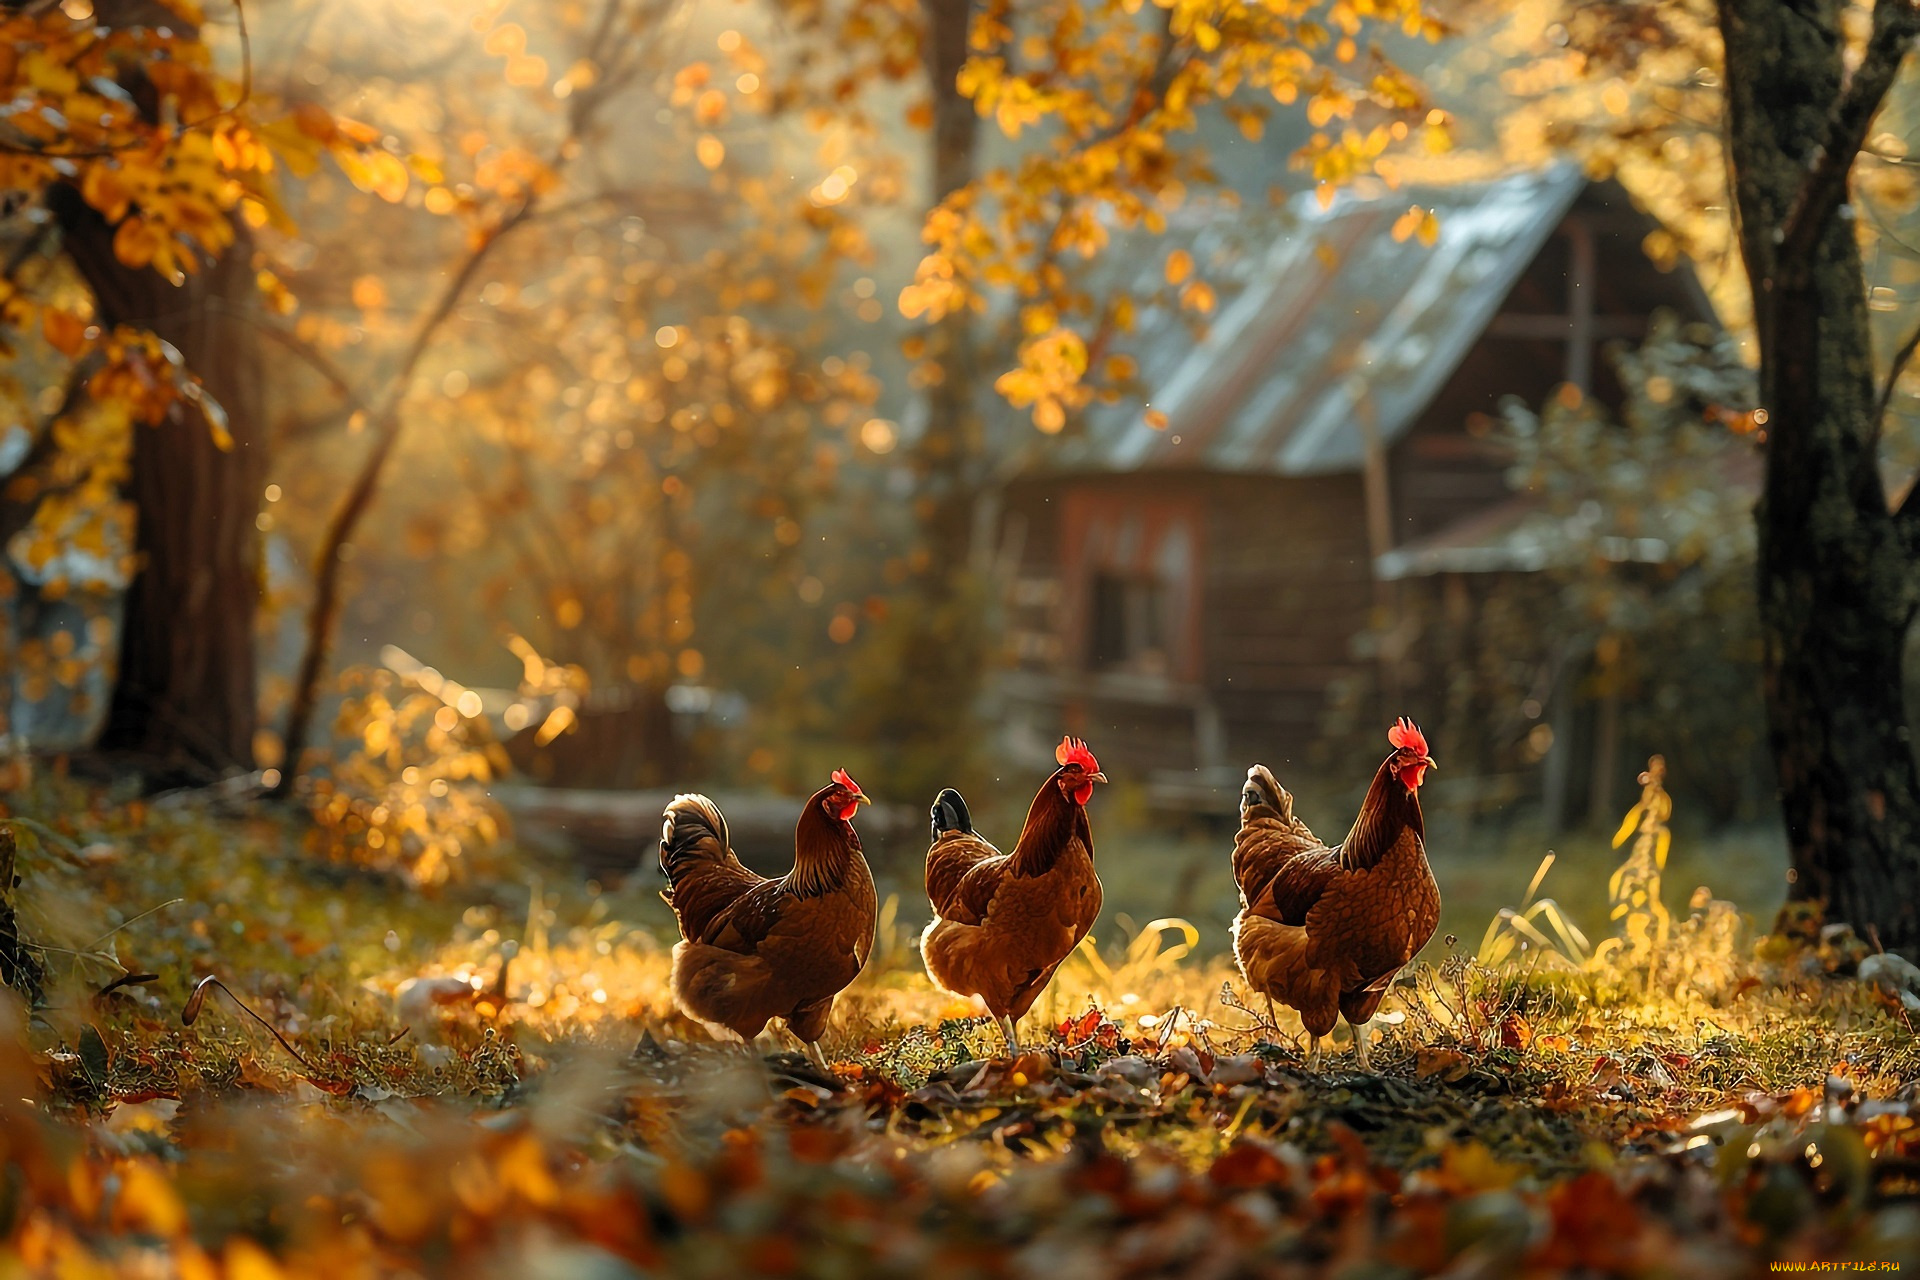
(1362, 1033)
(1313, 1053)
(1008, 1029)
(819, 1058)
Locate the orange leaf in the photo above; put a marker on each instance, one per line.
(135, 243)
(64, 331)
(315, 121)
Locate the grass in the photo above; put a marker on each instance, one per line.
(490, 1076)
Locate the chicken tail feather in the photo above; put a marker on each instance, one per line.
(693, 833)
(950, 814)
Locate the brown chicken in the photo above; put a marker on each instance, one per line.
(1325, 930)
(1003, 922)
(756, 949)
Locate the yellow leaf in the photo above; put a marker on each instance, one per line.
(387, 176)
(1197, 296)
(295, 147)
(147, 1203)
(248, 1261)
(1476, 1167)
(135, 244)
(523, 1169)
(102, 188)
(506, 41)
(1156, 419)
(1179, 266)
(49, 74)
(710, 151)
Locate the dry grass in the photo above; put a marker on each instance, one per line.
(492, 1026)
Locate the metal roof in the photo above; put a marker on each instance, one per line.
(1335, 329)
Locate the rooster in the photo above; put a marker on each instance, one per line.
(1003, 922)
(755, 949)
(1325, 930)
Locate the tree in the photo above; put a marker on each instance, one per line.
(607, 411)
(1095, 105)
(1839, 582)
(155, 169)
(1776, 105)
(1103, 110)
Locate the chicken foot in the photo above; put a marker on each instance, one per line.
(1313, 1053)
(809, 1049)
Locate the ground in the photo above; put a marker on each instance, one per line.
(486, 1076)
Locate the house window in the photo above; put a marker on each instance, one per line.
(1129, 599)
(1129, 628)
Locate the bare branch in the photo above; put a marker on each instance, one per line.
(1896, 24)
(1899, 366)
(386, 425)
(386, 421)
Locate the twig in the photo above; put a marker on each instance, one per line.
(199, 998)
(1898, 367)
(1825, 187)
(387, 424)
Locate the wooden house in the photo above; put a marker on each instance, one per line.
(1186, 596)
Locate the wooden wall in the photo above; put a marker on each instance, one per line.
(1285, 586)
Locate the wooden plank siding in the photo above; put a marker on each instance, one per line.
(1288, 587)
(1284, 586)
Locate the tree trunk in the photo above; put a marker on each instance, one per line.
(935, 650)
(1837, 575)
(184, 698)
(948, 453)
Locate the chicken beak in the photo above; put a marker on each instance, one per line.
(1428, 761)
(1099, 777)
(861, 797)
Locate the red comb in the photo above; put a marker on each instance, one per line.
(845, 779)
(1073, 751)
(1407, 736)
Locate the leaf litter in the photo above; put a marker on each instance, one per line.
(490, 1076)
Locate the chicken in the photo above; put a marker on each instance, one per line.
(755, 949)
(1003, 922)
(1325, 930)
